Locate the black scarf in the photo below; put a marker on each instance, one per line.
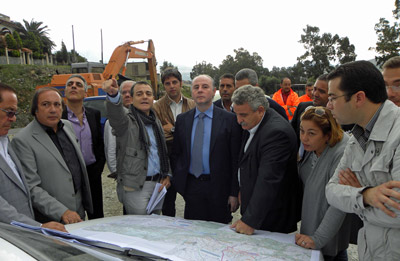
(143, 119)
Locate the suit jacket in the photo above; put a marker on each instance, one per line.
(46, 172)
(223, 156)
(93, 117)
(295, 122)
(269, 183)
(218, 103)
(272, 104)
(15, 198)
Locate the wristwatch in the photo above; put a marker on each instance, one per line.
(173, 129)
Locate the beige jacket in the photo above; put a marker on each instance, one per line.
(163, 111)
(379, 239)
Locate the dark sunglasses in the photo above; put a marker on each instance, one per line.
(9, 114)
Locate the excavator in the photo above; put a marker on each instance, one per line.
(115, 67)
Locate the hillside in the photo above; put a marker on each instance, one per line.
(24, 78)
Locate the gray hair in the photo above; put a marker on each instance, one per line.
(204, 75)
(252, 95)
(80, 77)
(125, 83)
(249, 74)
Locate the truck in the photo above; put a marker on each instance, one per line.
(116, 66)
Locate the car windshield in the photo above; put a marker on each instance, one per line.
(42, 247)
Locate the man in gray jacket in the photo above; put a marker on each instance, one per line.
(142, 158)
(357, 95)
(15, 197)
(52, 162)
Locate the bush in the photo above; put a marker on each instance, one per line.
(14, 53)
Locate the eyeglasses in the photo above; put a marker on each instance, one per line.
(333, 98)
(9, 114)
(394, 88)
(317, 110)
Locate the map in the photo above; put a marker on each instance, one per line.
(180, 239)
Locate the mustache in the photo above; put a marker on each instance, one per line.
(243, 123)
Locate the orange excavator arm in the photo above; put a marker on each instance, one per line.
(120, 57)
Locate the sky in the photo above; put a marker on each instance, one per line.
(187, 32)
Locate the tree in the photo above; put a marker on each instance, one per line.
(12, 44)
(32, 42)
(269, 83)
(78, 57)
(62, 56)
(167, 65)
(17, 39)
(323, 51)
(41, 33)
(388, 44)
(204, 68)
(242, 59)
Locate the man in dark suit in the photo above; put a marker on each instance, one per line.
(204, 159)
(226, 89)
(269, 184)
(87, 127)
(15, 197)
(249, 76)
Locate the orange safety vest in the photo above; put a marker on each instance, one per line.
(305, 98)
(291, 102)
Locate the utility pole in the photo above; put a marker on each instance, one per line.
(101, 33)
(73, 44)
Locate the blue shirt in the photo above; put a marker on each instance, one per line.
(207, 119)
(153, 160)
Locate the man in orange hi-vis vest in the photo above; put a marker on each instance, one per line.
(308, 96)
(286, 97)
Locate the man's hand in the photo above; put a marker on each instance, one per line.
(70, 217)
(242, 228)
(380, 195)
(304, 241)
(234, 203)
(167, 127)
(165, 182)
(347, 177)
(55, 225)
(111, 87)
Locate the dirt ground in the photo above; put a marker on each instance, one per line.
(112, 207)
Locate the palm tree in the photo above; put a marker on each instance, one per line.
(38, 32)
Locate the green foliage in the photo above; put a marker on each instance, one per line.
(17, 40)
(268, 84)
(242, 59)
(31, 41)
(41, 35)
(15, 53)
(388, 44)
(167, 65)
(24, 78)
(323, 51)
(76, 57)
(11, 43)
(204, 68)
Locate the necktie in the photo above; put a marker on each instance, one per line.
(197, 150)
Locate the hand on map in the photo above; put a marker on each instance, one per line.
(304, 241)
(242, 228)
